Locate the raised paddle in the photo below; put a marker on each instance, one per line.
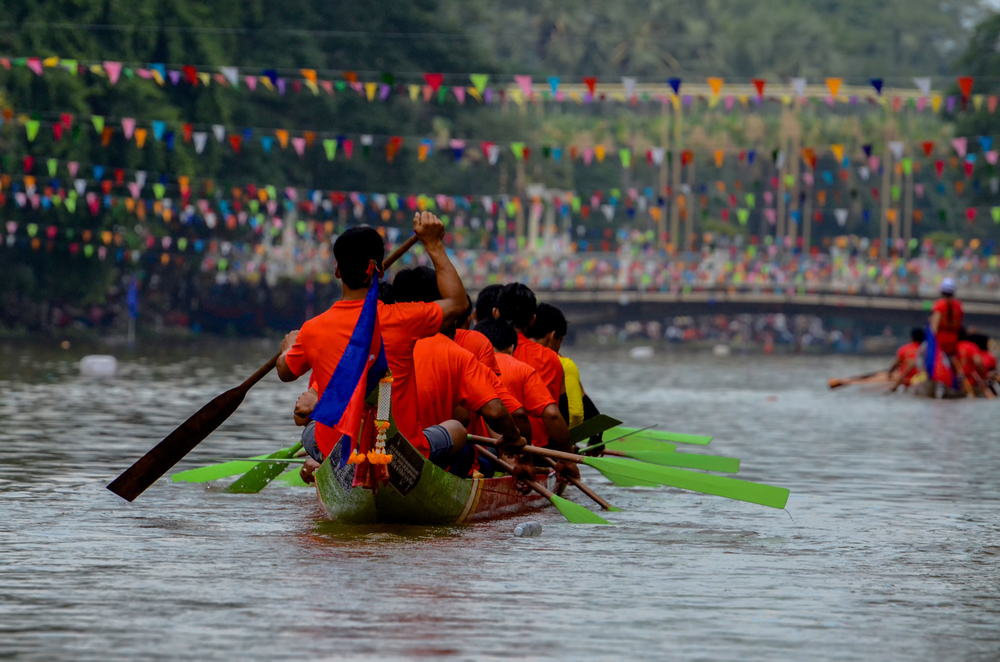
(586, 490)
(576, 514)
(148, 468)
(638, 473)
(226, 469)
(656, 435)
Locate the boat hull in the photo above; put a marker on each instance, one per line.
(419, 492)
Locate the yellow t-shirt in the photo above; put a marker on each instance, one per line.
(574, 391)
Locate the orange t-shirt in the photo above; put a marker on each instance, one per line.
(967, 352)
(524, 384)
(510, 403)
(989, 362)
(448, 377)
(951, 322)
(479, 345)
(543, 360)
(322, 341)
(907, 358)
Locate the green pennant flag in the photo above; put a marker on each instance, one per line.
(158, 190)
(751, 200)
(254, 206)
(895, 192)
(743, 215)
(272, 194)
(626, 157)
(71, 65)
(88, 250)
(52, 164)
(32, 229)
(57, 201)
(300, 227)
(518, 149)
(71, 204)
(393, 201)
(995, 213)
(789, 180)
(330, 145)
(576, 204)
(479, 81)
(442, 94)
(98, 123)
(31, 126)
(511, 209)
(223, 263)
(907, 166)
(182, 244)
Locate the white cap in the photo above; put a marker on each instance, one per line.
(948, 286)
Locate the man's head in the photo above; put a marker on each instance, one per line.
(354, 250)
(517, 305)
(918, 335)
(500, 333)
(948, 287)
(549, 327)
(418, 284)
(385, 293)
(982, 341)
(487, 301)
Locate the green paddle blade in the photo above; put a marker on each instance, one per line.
(215, 471)
(261, 475)
(631, 445)
(729, 465)
(591, 426)
(660, 435)
(292, 478)
(731, 488)
(575, 513)
(624, 481)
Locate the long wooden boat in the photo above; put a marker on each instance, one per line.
(419, 492)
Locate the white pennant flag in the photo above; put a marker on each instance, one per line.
(924, 85)
(629, 84)
(841, 215)
(780, 163)
(609, 212)
(80, 185)
(231, 74)
(864, 172)
(487, 202)
(366, 140)
(896, 147)
(799, 85)
(199, 141)
(494, 154)
(219, 131)
(658, 154)
(140, 178)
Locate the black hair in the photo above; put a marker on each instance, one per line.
(464, 317)
(385, 292)
(500, 333)
(487, 301)
(918, 335)
(963, 333)
(981, 340)
(354, 250)
(517, 304)
(417, 284)
(548, 318)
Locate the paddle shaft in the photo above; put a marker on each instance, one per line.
(148, 469)
(583, 488)
(535, 485)
(837, 383)
(608, 441)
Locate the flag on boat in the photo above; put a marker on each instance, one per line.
(341, 407)
(936, 363)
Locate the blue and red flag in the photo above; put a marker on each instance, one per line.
(935, 364)
(341, 407)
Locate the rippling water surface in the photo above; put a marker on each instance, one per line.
(889, 548)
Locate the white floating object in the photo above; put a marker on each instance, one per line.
(528, 530)
(721, 350)
(642, 352)
(98, 365)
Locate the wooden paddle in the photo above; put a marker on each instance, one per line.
(586, 490)
(837, 383)
(576, 514)
(148, 469)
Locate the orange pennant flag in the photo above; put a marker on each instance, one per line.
(282, 137)
(140, 137)
(309, 75)
(351, 77)
(716, 85)
(833, 84)
(719, 156)
(838, 153)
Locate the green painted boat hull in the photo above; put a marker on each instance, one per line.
(419, 492)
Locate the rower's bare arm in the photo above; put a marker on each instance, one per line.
(453, 302)
(557, 430)
(304, 407)
(499, 419)
(523, 423)
(285, 373)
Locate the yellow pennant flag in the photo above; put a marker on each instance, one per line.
(786, 99)
(599, 153)
(977, 101)
(51, 62)
(370, 90)
(474, 93)
(414, 92)
(713, 101)
(313, 87)
(719, 156)
(517, 97)
(282, 137)
(97, 69)
(140, 137)
(205, 78)
(838, 153)
(744, 100)
(935, 102)
(575, 97)
(716, 85)
(266, 82)
(157, 76)
(833, 84)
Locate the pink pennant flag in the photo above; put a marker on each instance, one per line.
(327, 85)
(873, 162)
(921, 104)
(524, 82)
(128, 125)
(768, 198)
(72, 167)
(588, 156)
(960, 145)
(919, 190)
(459, 93)
(272, 207)
(251, 82)
(292, 193)
(770, 216)
(299, 143)
(35, 65)
(991, 157)
(427, 93)
(729, 102)
(133, 188)
(114, 70)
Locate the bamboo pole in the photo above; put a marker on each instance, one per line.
(692, 208)
(908, 211)
(675, 164)
(897, 181)
(664, 178)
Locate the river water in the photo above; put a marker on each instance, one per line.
(889, 548)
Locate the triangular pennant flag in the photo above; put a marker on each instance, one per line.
(591, 83)
(896, 147)
(434, 80)
(219, 131)
(675, 84)
(833, 84)
(799, 85)
(518, 150)
(299, 144)
(524, 82)
(759, 83)
(841, 216)
(98, 122)
(554, 84)
(200, 138)
(31, 127)
(877, 84)
(114, 70)
(965, 86)
(961, 145)
(838, 153)
(928, 146)
(658, 154)
(231, 74)
(140, 137)
(370, 89)
(478, 80)
(251, 82)
(626, 157)
(716, 85)
(629, 84)
(159, 127)
(743, 215)
(128, 126)
(923, 84)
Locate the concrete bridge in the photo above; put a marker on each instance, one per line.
(596, 307)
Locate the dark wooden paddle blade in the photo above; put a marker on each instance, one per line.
(148, 469)
(591, 426)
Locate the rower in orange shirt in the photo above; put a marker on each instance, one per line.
(321, 342)
(525, 385)
(946, 318)
(970, 361)
(989, 360)
(907, 365)
(475, 342)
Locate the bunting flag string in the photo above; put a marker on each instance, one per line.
(439, 88)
